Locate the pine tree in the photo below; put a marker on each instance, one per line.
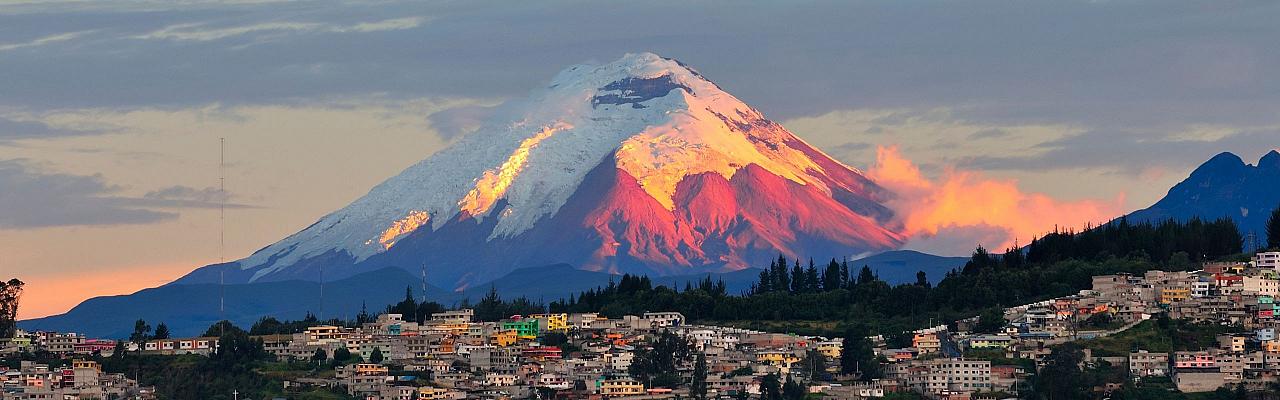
(831, 276)
(858, 355)
(162, 332)
(793, 390)
(363, 317)
(698, 385)
(765, 282)
(844, 274)
(770, 387)
(376, 356)
(865, 276)
(922, 280)
(781, 280)
(811, 281)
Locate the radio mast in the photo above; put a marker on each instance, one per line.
(222, 233)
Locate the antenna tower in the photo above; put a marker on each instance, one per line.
(222, 233)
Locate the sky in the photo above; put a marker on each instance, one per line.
(111, 113)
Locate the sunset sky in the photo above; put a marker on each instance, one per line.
(111, 112)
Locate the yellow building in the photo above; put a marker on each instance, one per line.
(552, 322)
(830, 348)
(1171, 295)
(505, 338)
(434, 393)
(1271, 346)
(926, 343)
(621, 387)
(779, 359)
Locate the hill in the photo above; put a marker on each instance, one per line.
(1224, 186)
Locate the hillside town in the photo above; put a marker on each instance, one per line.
(451, 355)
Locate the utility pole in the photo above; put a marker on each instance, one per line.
(424, 293)
(320, 316)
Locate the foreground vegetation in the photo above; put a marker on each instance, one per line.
(806, 298)
(1159, 335)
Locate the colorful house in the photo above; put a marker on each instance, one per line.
(553, 322)
(505, 338)
(525, 328)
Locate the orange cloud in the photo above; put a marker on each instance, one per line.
(967, 199)
(45, 295)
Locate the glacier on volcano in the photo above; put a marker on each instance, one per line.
(639, 165)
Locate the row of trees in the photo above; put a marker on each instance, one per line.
(776, 278)
(1161, 242)
(142, 332)
(1057, 264)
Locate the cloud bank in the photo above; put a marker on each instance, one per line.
(971, 209)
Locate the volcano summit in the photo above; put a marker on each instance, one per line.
(640, 165)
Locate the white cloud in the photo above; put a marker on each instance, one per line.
(393, 24)
(41, 41)
(200, 32)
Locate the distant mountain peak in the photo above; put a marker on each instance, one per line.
(1270, 161)
(1223, 186)
(1222, 163)
(636, 165)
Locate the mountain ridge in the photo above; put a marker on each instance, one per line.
(1223, 186)
(187, 309)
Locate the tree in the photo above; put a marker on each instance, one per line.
(162, 332)
(831, 276)
(815, 364)
(922, 280)
(363, 317)
(117, 353)
(766, 282)
(376, 356)
(660, 360)
(141, 332)
(1061, 377)
(407, 308)
(865, 276)
(778, 271)
(341, 356)
(858, 355)
(222, 328)
(770, 388)
(319, 356)
(991, 321)
(10, 293)
(793, 390)
(236, 348)
(698, 384)
(1273, 229)
(798, 281)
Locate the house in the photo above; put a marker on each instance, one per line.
(622, 386)
(1143, 364)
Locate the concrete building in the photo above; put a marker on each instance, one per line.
(1143, 364)
(1267, 260)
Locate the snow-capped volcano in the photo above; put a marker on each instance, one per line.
(638, 165)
